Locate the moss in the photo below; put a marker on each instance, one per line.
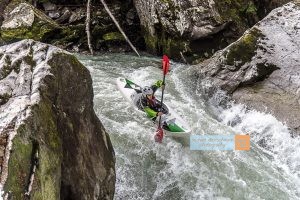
(47, 178)
(49, 122)
(40, 27)
(113, 36)
(43, 130)
(166, 45)
(173, 47)
(244, 49)
(68, 34)
(151, 43)
(237, 11)
(19, 165)
(36, 32)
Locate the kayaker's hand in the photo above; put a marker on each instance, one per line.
(163, 86)
(160, 114)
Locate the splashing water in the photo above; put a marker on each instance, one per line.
(147, 170)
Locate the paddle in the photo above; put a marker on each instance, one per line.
(159, 132)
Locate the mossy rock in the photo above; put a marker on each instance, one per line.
(69, 34)
(19, 163)
(237, 11)
(167, 45)
(27, 22)
(244, 49)
(38, 129)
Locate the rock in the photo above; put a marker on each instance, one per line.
(65, 16)
(51, 128)
(54, 14)
(48, 6)
(25, 21)
(77, 15)
(266, 6)
(193, 27)
(261, 69)
(170, 25)
(130, 16)
(3, 4)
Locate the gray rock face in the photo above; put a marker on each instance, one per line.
(181, 21)
(195, 29)
(53, 146)
(261, 69)
(191, 19)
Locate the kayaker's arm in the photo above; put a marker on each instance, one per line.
(157, 84)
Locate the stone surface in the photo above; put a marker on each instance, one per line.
(194, 29)
(261, 69)
(27, 22)
(177, 27)
(44, 113)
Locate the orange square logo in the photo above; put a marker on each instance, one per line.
(242, 142)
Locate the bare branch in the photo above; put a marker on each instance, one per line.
(87, 25)
(118, 26)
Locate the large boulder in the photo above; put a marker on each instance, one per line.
(52, 145)
(27, 22)
(261, 69)
(193, 29)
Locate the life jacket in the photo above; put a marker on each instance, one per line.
(151, 102)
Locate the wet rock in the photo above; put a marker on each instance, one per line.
(261, 69)
(46, 125)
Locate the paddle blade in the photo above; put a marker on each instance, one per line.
(159, 135)
(166, 64)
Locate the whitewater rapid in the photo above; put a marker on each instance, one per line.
(147, 170)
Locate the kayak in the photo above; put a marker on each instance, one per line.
(173, 124)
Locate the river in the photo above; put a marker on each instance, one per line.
(170, 171)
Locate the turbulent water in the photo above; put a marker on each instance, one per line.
(147, 170)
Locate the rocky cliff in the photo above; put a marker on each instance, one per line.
(261, 69)
(52, 145)
(193, 29)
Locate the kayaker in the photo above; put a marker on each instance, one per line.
(147, 101)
